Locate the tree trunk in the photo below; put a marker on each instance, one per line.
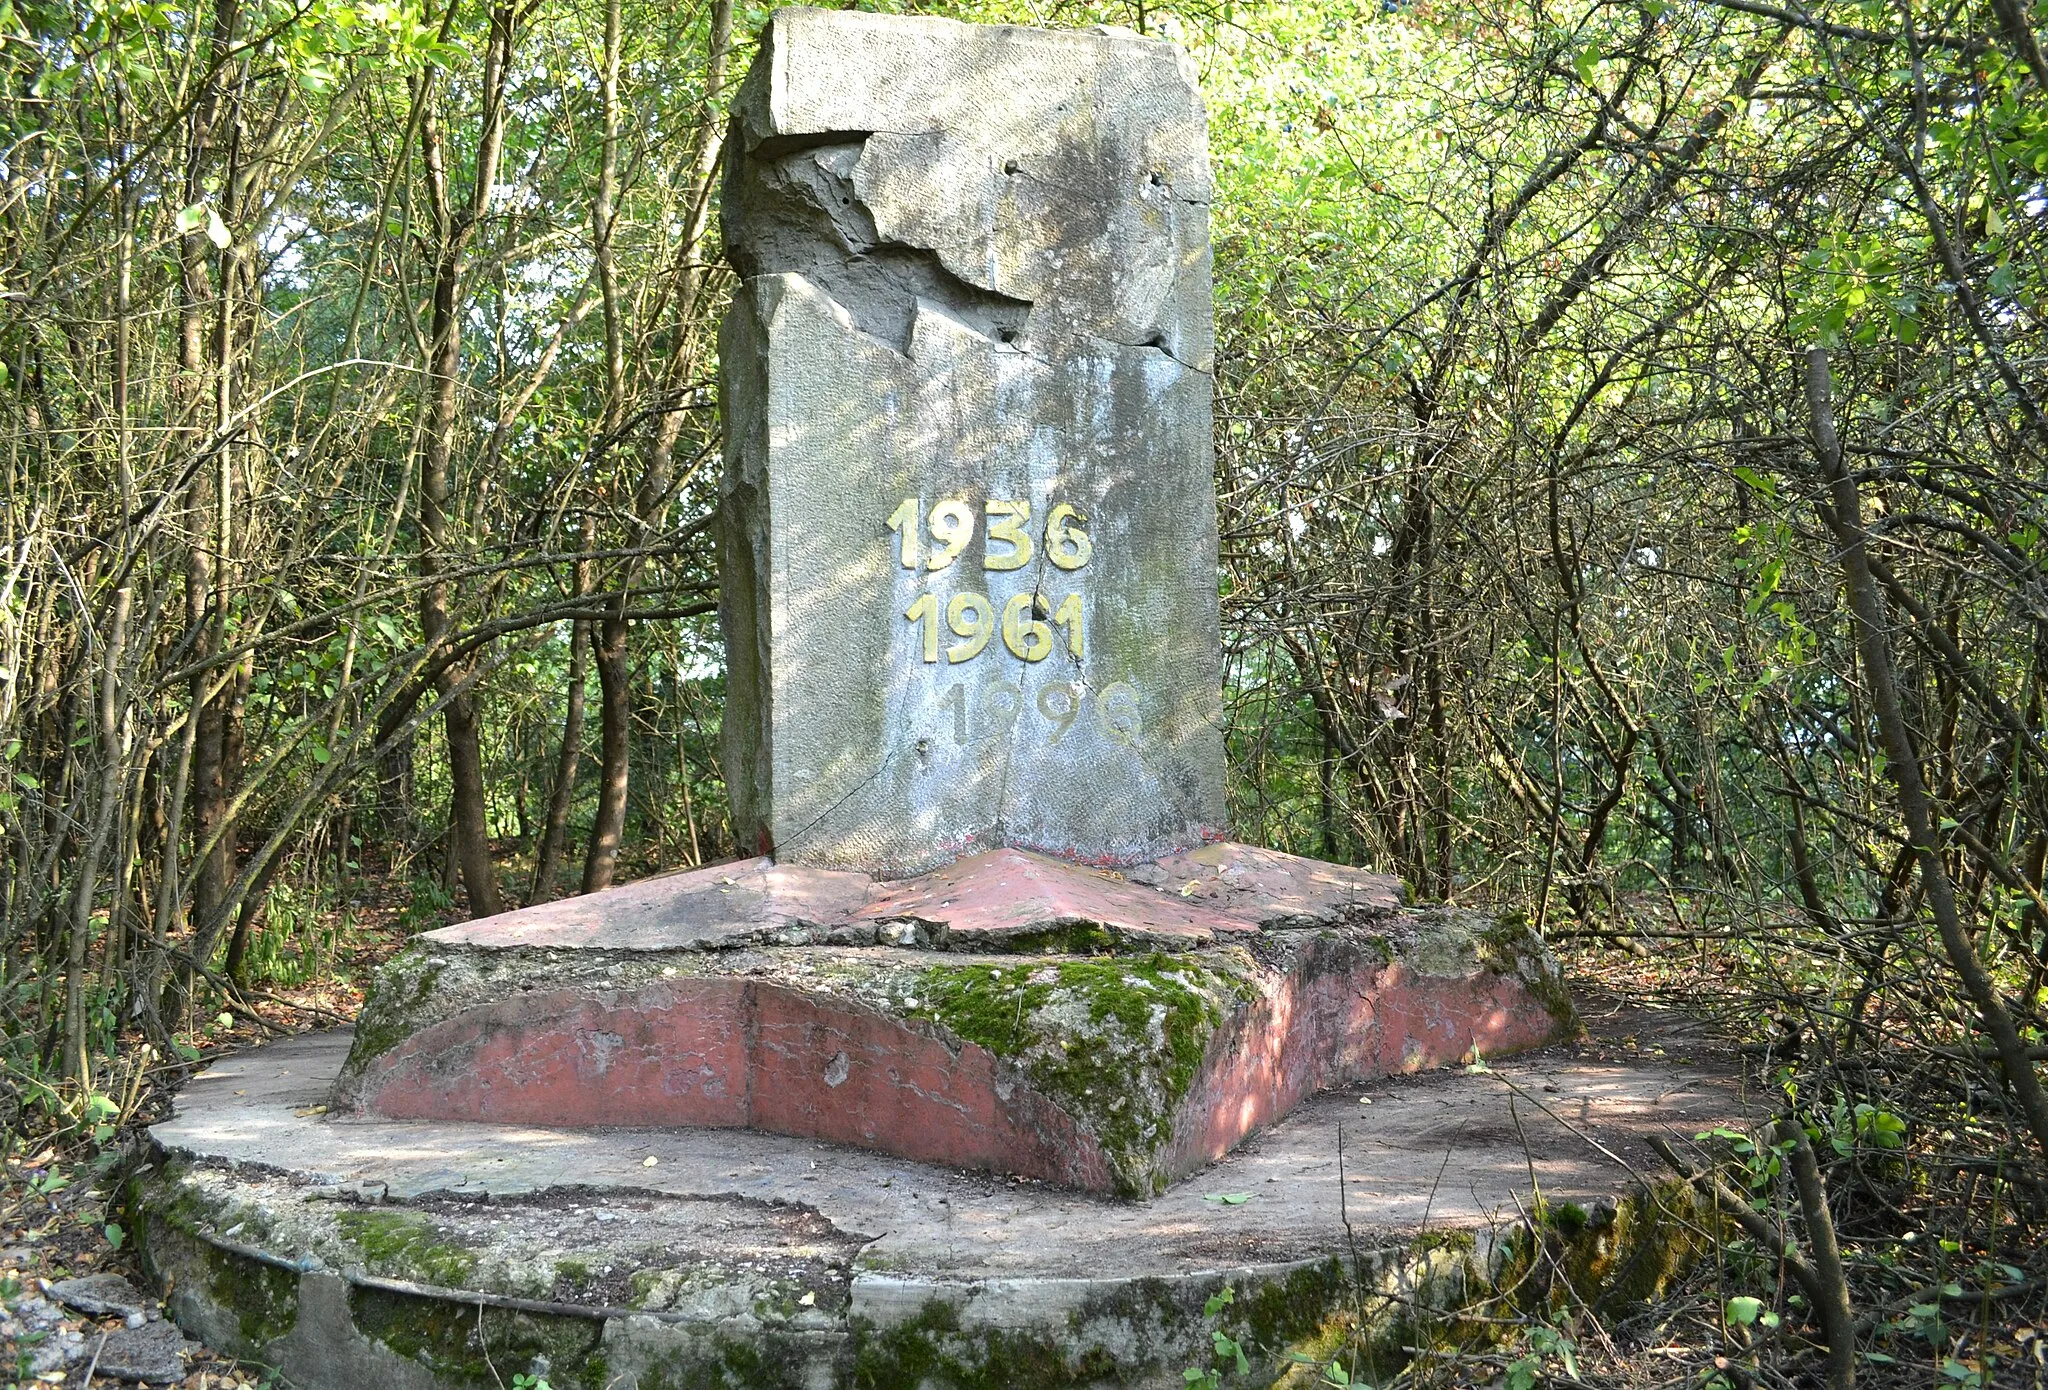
(547, 859)
(111, 759)
(1845, 518)
(467, 806)
(616, 714)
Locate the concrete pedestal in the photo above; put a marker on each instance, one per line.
(1106, 1031)
(414, 1255)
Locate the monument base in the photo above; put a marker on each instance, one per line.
(1010, 1013)
(430, 1256)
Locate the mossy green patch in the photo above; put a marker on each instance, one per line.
(933, 1349)
(1613, 1257)
(1277, 1313)
(401, 988)
(1064, 939)
(172, 1221)
(1512, 947)
(405, 1245)
(1115, 1043)
(478, 1345)
(264, 1298)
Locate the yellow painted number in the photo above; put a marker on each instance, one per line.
(976, 629)
(1024, 629)
(903, 521)
(1006, 523)
(1068, 616)
(926, 611)
(1066, 544)
(952, 528)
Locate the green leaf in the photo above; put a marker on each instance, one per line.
(1744, 1310)
(1228, 1199)
(1756, 481)
(192, 218)
(115, 1235)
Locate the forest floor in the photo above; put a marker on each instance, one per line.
(58, 1218)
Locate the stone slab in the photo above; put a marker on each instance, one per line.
(101, 1295)
(750, 902)
(669, 1257)
(990, 901)
(1010, 896)
(975, 307)
(1105, 1072)
(153, 1353)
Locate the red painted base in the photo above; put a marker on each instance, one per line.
(772, 1040)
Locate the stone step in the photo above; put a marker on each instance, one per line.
(434, 1255)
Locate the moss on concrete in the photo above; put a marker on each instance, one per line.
(933, 1349)
(399, 990)
(1066, 939)
(1613, 1257)
(1511, 946)
(476, 1345)
(405, 1245)
(1115, 1043)
(262, 1298)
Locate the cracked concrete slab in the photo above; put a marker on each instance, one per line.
(411, 1252)
(1450, 1150)
(979, 902)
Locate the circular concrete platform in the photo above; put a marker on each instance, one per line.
(354, 1253)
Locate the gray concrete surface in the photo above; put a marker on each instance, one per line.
(436, 1256)
(976, 276)
(1444, 1151)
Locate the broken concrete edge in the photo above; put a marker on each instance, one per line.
(1118, 1074)
(329, 1322)
(434, 978)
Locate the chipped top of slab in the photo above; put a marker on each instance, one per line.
(708, 909)
(982, 902)
(1271, 888)
(1009, 893)
(1064, 168)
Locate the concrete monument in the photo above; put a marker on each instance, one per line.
(969, 527)
(972, 730)
(991, 925)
